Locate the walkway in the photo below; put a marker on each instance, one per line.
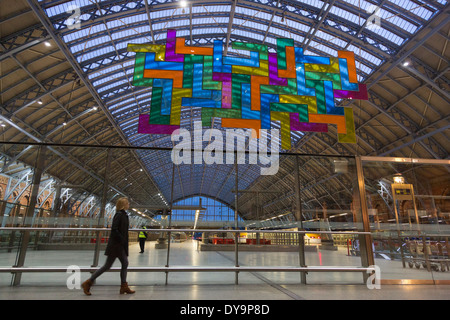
(210, 285)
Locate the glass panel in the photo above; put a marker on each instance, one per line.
(266, 205)
(330, 203)
(408, 208)
(408, 217)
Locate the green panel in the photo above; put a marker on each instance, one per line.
(262, 49)
(325, 76)
(208, 113)
(188, 74)
(155, 110)
(236, 89)
(281, 50)
(208, 82)
(320, 95)
(139, 66)
(301, 109)
(291, 88)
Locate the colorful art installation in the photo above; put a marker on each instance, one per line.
(295, 89)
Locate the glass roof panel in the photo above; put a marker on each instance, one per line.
(96, 51)
(413, 7)
(240, 11)
(347, 15)
(297, 25)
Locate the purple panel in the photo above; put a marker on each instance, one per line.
(273, 72)
(225, 78)
(170, 47)
(296, 125)
(145, 127)
(344, 94)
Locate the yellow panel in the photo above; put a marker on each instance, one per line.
(285, 125)
(333, 67)
(350, 136)
(308, 100)
(263, 69)
(159, 49)
(177, 95)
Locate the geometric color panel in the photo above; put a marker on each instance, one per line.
(288, 86)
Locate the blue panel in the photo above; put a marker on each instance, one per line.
(301, 58)
(197, 90)
(317, 60)
(198, 102)
(151, 64)
(247, 113)
(302, 90)
(345, 82)
(329, 100)
(166, 101)
(158, 83)
(217, 58)
(238, 61)
(266, 100)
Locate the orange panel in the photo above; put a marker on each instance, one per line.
(242, 123)
(176, 76)
(182, 49)
(255, 97)
(350, 56)
(290, 65)
(328, 118)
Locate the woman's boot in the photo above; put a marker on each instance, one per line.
(87, 286)
(125, 289)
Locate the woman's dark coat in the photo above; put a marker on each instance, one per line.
(118, 240)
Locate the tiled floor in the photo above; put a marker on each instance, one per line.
(217, 285)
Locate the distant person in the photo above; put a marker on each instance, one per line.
(142, 239)
(117, 248)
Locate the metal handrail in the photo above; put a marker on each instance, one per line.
(196, 269)
(180, 230)
(166, 269)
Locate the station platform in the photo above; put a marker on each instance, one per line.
(209, 285)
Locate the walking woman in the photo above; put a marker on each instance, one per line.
(117, 248)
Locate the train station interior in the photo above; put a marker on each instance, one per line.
(269, 149)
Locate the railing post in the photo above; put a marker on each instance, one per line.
(298, 216)
(102, 208)
(38, 169)
(169, 234)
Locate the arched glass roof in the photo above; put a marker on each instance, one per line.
(90, 67)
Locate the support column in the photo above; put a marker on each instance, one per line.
(102, 207)
(39, 168)
(169, 234)
(236, 247)
(298, 217)
(367, 257)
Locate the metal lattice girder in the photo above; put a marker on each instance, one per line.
(18, 41)
(18, 183)
(401, 119)
(436, 80)
(39, 91)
